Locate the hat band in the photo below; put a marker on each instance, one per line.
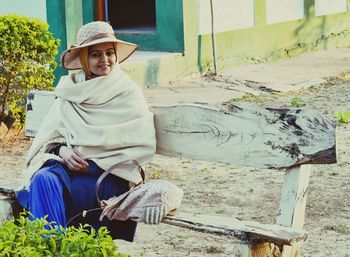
(98, 36)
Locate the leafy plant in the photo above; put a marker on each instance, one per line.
(38, 238)
(27, 61)
(296, 102)
(343, 117)
(156, 174)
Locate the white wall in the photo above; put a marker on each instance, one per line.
(228, 15)
(30, 8)
(284, 10)
(324, 7)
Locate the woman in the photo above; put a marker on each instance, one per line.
(99, 118)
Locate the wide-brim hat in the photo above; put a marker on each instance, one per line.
(94, 33)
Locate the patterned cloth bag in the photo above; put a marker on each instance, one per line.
(148, 202)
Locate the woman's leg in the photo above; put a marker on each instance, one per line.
(118, 229)
(46, 197)
(84, 198)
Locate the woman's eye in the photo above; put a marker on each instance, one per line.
(110, 53)
(95, 54)
(99, 54)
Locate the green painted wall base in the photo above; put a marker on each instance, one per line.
(323, 42)
(159, 71)
(268, 42)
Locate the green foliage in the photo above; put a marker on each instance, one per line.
(27, 61)
(343, 117)
(296, 102)
(40, 238)
(156, 174)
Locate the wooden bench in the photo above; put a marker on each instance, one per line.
(283, 139)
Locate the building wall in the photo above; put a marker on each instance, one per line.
(246, 31)
(56, 18)
(228, 15)
(266, 30)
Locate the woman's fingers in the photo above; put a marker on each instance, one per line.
(74, 160)
(78, 164)
(75, 163)
(76, 167)
(79, 159)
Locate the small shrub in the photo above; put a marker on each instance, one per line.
(156, 174)
(27, 61)
(296, 102)
(343, 117)
(23, 238)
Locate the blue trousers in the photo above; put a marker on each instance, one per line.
(56, 192)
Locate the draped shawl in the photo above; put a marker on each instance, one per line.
(106, 119)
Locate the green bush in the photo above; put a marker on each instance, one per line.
(27, 61)
(296, 102)
(342, 117)
(39, 238)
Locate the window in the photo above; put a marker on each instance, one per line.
(132, 16)
(153, 25)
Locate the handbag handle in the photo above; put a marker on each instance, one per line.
(103, 176)
(119, 165)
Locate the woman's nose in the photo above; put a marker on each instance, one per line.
(104, 56)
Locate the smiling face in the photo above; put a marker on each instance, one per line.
(102, 58)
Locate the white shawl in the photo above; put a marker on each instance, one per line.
(106, 119)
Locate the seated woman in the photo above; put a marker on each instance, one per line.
(99, 118)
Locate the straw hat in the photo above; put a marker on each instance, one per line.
(93, 33)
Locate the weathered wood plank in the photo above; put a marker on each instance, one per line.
(239, 231)
(5, 209)
(9, 190)
(9, 206)
(293, 197)
(38, 105)
(242, 134)
(245, 134)
(293, 203)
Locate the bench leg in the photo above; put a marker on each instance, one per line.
(260, 250)
(5, 210)
(293, 202)
(9, 208)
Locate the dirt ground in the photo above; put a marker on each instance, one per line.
(246, 193)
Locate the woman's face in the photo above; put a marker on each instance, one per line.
(102, 58)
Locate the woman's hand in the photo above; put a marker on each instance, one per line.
(74, 160)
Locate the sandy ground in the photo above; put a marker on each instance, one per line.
(246, 193)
